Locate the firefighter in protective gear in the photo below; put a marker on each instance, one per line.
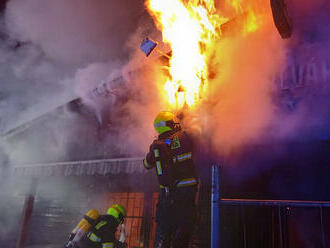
(172, 157)
(102, 233)
(83, 226)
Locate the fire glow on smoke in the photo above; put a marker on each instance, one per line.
(192, 28)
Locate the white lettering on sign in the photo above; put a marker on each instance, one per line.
(325, 71)
(304, 75)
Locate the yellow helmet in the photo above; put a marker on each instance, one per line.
(165, 121)
(118, 212)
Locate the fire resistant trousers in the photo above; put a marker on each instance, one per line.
(175, 217)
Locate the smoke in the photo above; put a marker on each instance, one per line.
(58, 51)
(141, 96)
(239, 105)
(55, 51)
(75, 31)
(263, 89)
(305, 78)
(269, 90)
(51, 54)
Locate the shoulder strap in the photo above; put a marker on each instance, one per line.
(93, 224)
(90, 220)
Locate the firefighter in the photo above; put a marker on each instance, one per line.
(83, 226)
(101, 234)
(172, 157)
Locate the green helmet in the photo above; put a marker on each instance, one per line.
(118, 212)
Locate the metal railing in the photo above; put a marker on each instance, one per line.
(217, 203)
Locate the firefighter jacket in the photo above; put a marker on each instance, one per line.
(172, 156)
(102, 234)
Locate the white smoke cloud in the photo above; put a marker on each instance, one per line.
(57, 51)
(73, 31)
(53, 52)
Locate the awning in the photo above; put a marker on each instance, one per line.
(82, 168)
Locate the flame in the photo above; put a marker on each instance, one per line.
(237, 4)
(251, 22)
(191, 29)
(251, 19)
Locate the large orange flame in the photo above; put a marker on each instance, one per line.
(191, 29)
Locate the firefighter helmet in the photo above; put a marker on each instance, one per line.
(166, 121)
(118, 212)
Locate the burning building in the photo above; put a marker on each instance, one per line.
(257, 104)
(56, 194)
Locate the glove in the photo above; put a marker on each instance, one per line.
(119, 244)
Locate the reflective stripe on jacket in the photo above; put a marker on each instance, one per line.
(172, 156)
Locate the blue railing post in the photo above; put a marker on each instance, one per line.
(215, 208)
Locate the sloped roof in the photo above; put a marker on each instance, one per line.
(104, 89)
